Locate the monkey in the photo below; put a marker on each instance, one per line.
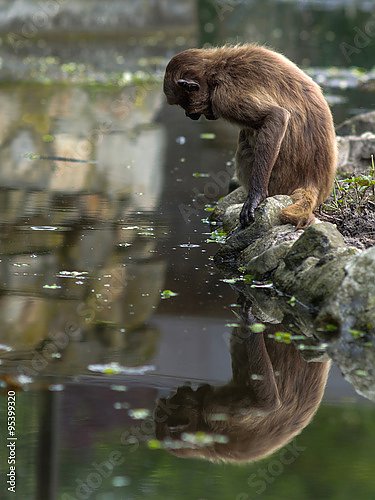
(273, 395)
(286, 143)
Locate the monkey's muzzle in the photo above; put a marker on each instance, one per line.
(193, 116)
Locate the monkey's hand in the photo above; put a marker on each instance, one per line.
(248, 209)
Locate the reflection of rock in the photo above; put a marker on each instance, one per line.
(112, 135)
(127, 166)
(369, 85)
(77, 237)
(314, 267)
(42, 337)
(126, 295)
(24, 321)
(357, 363)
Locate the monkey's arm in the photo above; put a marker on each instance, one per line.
(259, 166)
(253, 389)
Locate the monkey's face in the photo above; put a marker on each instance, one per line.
(187, 89)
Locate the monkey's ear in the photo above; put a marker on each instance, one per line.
(189, 85)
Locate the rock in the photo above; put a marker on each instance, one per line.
(315, 279)
(264, 255)
(230, 218)
(31, 17)
(352, 307)
(354, 153)
(266, 216)
(317, 241)
(238, 196)
(364, 122)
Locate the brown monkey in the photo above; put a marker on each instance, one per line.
(274, 393)
(287, 140)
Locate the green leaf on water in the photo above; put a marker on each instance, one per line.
(154, 444)
(217, 236)
(167, 294)
(257, 328)
(208, 136)
(284, 337)
(209, 208)
(201, 174)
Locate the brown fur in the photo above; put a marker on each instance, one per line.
(287, 139)
(262, 414)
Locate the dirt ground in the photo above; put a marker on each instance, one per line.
(357, 227)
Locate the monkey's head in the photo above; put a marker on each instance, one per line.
(186, 84)
(226, 437)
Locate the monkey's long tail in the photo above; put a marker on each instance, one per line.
(300, 213)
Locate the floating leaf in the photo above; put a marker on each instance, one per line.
(209, 208)
(217, 236)
(283, 337)
(139, 413)
(201, 174)
(208, 136)
(167, 294)
(115, 369)
(154, 444)
(257, 328)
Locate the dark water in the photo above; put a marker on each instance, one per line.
(104, 198)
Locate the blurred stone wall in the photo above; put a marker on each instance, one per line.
(93, 16)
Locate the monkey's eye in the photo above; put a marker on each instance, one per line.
(189, 85)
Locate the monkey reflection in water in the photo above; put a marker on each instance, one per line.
(273, 395)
